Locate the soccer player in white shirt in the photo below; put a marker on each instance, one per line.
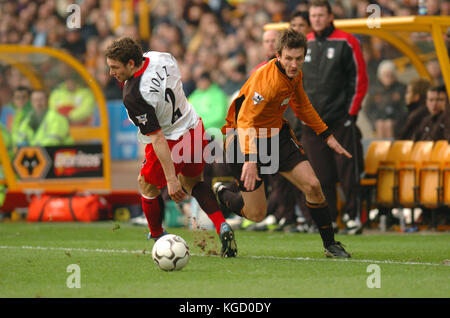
(154, 98)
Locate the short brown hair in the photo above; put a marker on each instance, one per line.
(420, 86)
(321, 3)
(124, 50)
(291, 39)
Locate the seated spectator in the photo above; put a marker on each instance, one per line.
(18, 109)
(92, 55)
(187, 79)
(434, 69)
(74, 44)
(8, 145)
(43, 126)
(433, 7)
(415, 98)
(7, 142)
(210, 102)
(276, 9)
(110, 87)
(235, 75)
(74, 101)
(385, 105)
(435, 126)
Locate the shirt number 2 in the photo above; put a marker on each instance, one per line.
(170, 98)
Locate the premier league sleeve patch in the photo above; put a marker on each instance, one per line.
(142, 119)
(257, 98)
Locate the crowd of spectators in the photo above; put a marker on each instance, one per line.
(217, 37)
(217, 43)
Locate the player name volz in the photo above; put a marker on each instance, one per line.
(156, 81)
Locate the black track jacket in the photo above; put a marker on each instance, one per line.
(334, 74)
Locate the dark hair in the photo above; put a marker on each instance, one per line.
(438, 89)
(321, 3)
(124, 50)
(302, 14)
(22, 88)
(291, 39)
(420, 86)
(205, 75)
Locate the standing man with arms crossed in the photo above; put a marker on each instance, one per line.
(257, 117)
(336, 82)
(154, 98)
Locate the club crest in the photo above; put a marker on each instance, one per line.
(330, 53)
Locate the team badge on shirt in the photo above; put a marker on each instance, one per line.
(142, 119)
(308, 56)
(257, 98)
(330, 53)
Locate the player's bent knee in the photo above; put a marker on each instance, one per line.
(189, 183)
(147, 189)
(254, 217)
(259, 217)
(255, 213)
(315, 185)
(313, 188)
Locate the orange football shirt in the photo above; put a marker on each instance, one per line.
(262, 102)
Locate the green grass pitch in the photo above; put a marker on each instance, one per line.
(115, 261)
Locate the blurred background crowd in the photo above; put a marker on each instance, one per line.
(216, 42)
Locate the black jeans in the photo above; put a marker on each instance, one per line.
(331, 167)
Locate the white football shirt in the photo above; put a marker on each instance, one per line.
(155, 100)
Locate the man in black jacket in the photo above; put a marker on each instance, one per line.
(335, 80)
(435, 126)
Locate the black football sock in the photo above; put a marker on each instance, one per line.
(233, 200)
(321, 216)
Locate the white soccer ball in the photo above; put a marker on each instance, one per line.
(170, 252)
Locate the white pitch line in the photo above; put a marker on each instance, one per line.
(343, 260)
(124, 251)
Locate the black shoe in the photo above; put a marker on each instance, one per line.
(218, 187)
(229, 247)
(150, 236)
(336, 250)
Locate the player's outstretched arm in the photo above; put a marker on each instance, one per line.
(336, 146)
(162, 151)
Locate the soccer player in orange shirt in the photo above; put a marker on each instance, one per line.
(255, 123)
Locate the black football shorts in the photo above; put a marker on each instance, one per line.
(280, 159)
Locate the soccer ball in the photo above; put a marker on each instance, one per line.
(170, 252)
